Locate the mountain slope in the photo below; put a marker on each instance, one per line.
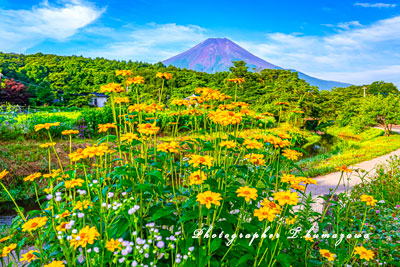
(216, 54)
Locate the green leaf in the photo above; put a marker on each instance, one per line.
(244, 259)
(215, 244)
(284, 259)
(157, 174)
(162, 212)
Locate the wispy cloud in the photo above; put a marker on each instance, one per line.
(150, 43)
(354, 55)
(345, 25)
(21, 29)
(376, 5)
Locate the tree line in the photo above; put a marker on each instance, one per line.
(48, 77)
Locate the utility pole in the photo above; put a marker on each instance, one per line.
(364, 90)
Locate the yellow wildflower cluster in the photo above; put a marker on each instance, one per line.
(46, 126)
(148, 128)
(70, 132)
(123, 72)
(121, 100)
(135, 80)
(112, 88)
(172, 147)
(104, 127)
(225, 117)
(164, 75)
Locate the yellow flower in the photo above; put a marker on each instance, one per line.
(81, 205)
(46, 145)
(226, 118)
(327, 254)
(237, 80)
(271, 205)
(85, 236)
(251, 144)
(197, 160)
(369, 200)
(112, 245)
(291, 221)
(69, 132)
(364, 253)
(120, 100)
(137, 108)
(62, 227)
(207, 198)
(111, 88)
(164, 75)
(28, 257)
(5, 239)
(309, 239)
(123, 72)
(46, 126)
(298, 187)
(289, 178)
(104, 127)
(8, 249)
(77, 155)
(256, 159)
(73, 183)
(135, 80)
(3, 173)
(198, 177)
(309, 181)
(172, 147)
(64, 214)
(55, 264)
(129, 137)
(33, 177)
(34, 224)
(148, 128)
(265, 213)
(286, 197)
(343, 168)
(247, 192)
(153, 108)
(291, 154)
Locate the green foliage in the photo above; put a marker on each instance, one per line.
(379, 110)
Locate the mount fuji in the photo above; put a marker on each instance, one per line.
(216, 55)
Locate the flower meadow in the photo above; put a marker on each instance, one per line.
(221, 195)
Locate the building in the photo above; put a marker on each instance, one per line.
(98, 100)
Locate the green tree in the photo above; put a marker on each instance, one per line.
(379, 110)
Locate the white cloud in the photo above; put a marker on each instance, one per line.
(345, 25)
(22, 29)
(150, 43)
(355, 55)
(378, 5)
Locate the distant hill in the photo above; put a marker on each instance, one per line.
(216, 55)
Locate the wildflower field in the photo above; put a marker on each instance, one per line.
(216, 193)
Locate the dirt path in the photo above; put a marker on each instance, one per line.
(331, 180)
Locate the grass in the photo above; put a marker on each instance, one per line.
(24, 157)
(350, 151)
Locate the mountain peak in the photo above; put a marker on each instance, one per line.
(216, 55)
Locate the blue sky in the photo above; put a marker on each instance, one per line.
(350, 41)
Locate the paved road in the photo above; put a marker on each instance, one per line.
(330, 180)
